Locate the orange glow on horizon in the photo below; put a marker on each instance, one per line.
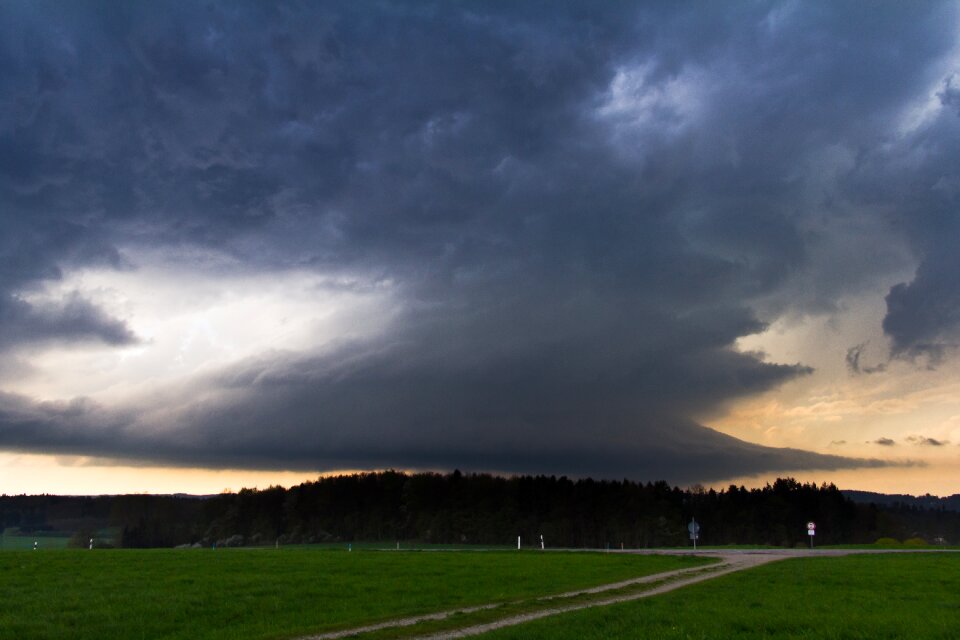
(38, 474)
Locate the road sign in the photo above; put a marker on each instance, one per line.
(811, 528)
(694, 530)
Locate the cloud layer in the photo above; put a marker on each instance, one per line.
(580, 210)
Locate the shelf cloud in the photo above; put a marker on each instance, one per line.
(578, 210)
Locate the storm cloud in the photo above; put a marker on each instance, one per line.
(578, 211)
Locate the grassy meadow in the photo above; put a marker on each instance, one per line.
(266, 593)
(21, 542)
(873, 597)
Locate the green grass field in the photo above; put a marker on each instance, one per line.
(870, 597)
(392, 546)
(19, 542)
(263, 593)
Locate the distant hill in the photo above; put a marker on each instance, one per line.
(950, 503)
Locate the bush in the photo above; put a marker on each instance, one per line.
(914, 542)
(887, 542)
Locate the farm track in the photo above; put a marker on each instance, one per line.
(730, 561)
(672, 580)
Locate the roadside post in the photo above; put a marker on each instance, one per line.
(811, 531)
(541, 542)
(694, 530)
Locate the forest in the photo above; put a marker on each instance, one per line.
(481, 509)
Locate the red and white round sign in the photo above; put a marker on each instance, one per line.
(811, 526)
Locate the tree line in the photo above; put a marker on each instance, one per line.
(486, 510)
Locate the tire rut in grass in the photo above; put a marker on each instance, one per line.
(588, 597)
(729, 566)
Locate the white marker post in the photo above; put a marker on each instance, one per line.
(811, 531)
(541, 542)
(518, 543)
(91, 544)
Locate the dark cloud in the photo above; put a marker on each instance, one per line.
(884, 442)
(950, 94)
(71, 319)
(924, 441)
(360, 410)
(922, 316)
(853, 361)
(581, 209)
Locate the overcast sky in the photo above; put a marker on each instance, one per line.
(693, 241)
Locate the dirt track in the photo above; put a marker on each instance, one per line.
(729, 564)
(730, 561)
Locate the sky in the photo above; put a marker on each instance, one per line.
(247, 243)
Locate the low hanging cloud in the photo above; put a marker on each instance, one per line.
(924, 441)
(580, 217)
(885, 442)
(357, 409)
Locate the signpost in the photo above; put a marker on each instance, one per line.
(694, 530)
(811, 531)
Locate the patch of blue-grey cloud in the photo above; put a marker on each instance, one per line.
(581, 207)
